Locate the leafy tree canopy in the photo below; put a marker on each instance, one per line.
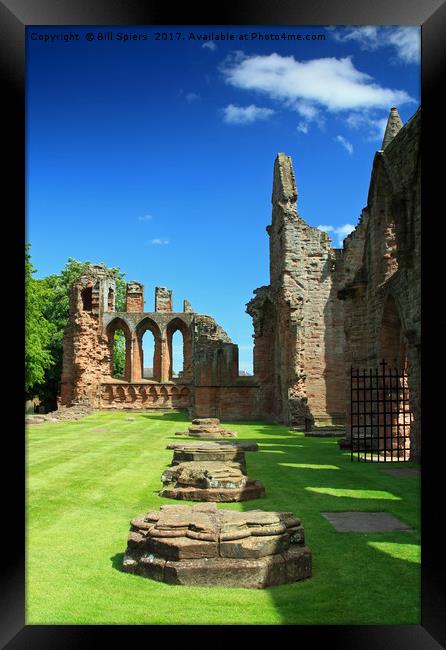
(47, 311)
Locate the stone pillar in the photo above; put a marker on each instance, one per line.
(165, 359)
(134, 299)
(137, 370)
(163, 299)
(157, 359)
(128, 359)
(187, 357)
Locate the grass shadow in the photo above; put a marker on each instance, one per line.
(117, 561)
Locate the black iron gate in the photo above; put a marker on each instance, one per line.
(380, 417)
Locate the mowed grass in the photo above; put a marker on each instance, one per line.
(87, 478)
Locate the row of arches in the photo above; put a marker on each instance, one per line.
(149, 354)
(145, 396)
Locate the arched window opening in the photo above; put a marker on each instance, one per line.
(87, 299)
(111, 300)
(177, 355)
(148, 350)
(391, 341)
(119, 341)
(148, 355)
(119, 354)
(179, 351)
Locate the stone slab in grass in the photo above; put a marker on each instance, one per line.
(364, 522)
(402, 471)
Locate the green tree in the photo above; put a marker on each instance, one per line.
(119, 354)
(38, 331)
(54, 309)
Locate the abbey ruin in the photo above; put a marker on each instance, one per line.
(324, 311)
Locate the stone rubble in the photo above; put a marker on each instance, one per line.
(210, 471)
(210, 481)
(206, 428)
(203, 546)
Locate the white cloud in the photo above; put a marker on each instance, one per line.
(209, 45)
(191, 97)
(345, 143)
(245, 114)
(302, 127)
(307, 86)
(405, 41)
(145, 217)
(340, 232)
(373, 127)
(159, 241)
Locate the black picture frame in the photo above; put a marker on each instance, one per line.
(15, 15)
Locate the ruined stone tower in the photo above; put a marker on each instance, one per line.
(298, 330)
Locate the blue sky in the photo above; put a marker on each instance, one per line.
(156, 156)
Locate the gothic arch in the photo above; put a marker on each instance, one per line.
(114, 325)
(145, 324)
(391, 341)
(178, 325)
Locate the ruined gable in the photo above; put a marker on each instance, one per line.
(298, 317)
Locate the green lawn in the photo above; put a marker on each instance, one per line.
(87, 478)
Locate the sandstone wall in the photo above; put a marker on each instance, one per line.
(298, 330)
(208, 385)
(381, 290)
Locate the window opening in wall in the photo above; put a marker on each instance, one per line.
(246, 360)
(148, 354)
(87, 299)
(177, 367)
(111, 298)
(119, 353)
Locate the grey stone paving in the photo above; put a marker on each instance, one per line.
(364, 522)
(402, 471)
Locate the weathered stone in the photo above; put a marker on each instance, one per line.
(247, 560)
(181, 548)
(203, 422)
(250, 490)
(211, 451)
(381, 289)
(254, 546)
(297, 318)
(206, 428)
(210, 481)
(205, 474)
(221, 447)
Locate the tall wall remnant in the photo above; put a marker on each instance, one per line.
(382, 280)
(298, 332)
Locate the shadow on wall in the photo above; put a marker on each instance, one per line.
(334, 348)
